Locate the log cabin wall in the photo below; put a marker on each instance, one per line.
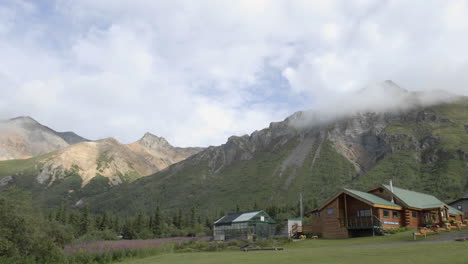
(412, 218)
(331, 224)
(391, 221)
(315, 227)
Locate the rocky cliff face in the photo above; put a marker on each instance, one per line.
(159, 152)
(110, 159)
(24, 137)
(421, 147)
(55, 165)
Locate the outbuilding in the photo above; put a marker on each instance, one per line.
(461, 205)
(244, 225)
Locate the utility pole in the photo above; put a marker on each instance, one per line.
(301, 206)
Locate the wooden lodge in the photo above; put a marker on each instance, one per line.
(352, 213)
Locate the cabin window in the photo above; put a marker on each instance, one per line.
(414, 214)
(396, 214)
(330, 211)
(459, 207)
(318, 214)
(362, 213)
(262, 219)
(386, 213)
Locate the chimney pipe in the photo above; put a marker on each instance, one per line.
(391, 189)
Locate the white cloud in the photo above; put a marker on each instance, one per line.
(197, 72)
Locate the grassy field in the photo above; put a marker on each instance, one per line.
(396, 249)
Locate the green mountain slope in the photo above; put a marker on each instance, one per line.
(424, 149)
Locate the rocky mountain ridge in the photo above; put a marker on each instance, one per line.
(421, 147)
(57, 155)
(23, 137)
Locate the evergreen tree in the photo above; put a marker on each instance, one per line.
(208, 223)
(177, 220)
(104, 222)
(139, 223)
(192, 219)
(157, 223)
(255, 206)
(85, 221)
(128, 230)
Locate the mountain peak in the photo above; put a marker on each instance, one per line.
(386, 88)
(24, 119)
(109, 140)
(152, 140)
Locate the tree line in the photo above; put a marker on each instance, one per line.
(31, 235)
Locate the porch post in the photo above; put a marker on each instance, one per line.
(346, 211)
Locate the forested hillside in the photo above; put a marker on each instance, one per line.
(424, 149)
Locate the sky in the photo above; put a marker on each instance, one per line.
(197, 72)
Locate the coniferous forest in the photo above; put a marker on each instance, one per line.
(34, 235)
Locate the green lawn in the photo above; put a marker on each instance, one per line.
(356, 250)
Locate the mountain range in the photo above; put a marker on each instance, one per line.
(38, 158)
(421, 147)
(420, 144)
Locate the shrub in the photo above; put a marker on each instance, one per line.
(395, 230)
(97, 235)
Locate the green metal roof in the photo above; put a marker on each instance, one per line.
(453, 210)
(415, 199)
(374, 199)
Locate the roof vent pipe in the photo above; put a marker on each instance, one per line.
(391, 189)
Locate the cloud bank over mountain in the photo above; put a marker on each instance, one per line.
(197, 72)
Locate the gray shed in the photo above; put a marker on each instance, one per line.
(245, 225)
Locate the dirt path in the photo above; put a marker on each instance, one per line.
(446, 237)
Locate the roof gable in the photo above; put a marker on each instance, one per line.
(243, 217)
(368, 198)
(415, 199)
(371, 198)
(227, 218)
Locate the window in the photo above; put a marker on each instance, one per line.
(317, 214)
(414, 214)
(396, 214)
(459, 207)
(362, 213)
(386, 213)
(330, 211)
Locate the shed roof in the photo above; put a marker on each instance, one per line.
(453, 210)
(246, 216)
(240, 217)
(229, 218)
(461, 199)
(415, 199)
(374, 199)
